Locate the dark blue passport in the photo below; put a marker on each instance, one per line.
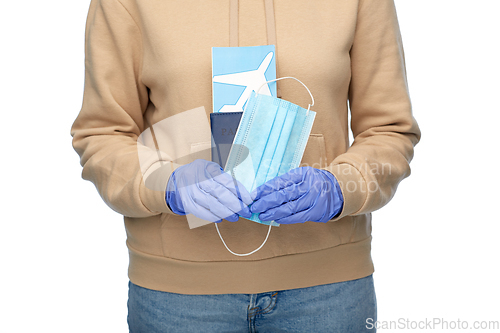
(223, 126)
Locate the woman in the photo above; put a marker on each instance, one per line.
(149, 61)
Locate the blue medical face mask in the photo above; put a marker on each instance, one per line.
(269, 142)
(274, 133)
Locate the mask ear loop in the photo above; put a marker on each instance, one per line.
(270, 224)
(291, 77)
(244, 254)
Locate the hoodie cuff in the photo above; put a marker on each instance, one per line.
(153, 187)
(353, 187)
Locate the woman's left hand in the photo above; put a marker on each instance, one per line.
(300, 195)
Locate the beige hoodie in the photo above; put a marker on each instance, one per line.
(149, 60)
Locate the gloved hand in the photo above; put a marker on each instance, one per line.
(203, 189)
(300, 195)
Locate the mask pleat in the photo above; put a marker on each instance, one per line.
(273, 138)
(284, 137)
(286, 163)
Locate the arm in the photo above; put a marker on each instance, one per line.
(111, 118)
(367, 175)
(384, 129)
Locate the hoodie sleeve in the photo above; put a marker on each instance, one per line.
(382, 123)
(106, 131)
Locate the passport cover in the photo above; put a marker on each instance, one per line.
(223, 126)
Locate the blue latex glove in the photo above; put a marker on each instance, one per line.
(203, 189)
(300, 195)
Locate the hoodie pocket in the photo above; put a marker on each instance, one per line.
(315, 152)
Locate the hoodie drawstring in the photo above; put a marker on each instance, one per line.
(270, 28)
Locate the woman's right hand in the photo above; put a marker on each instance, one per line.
(203, 189)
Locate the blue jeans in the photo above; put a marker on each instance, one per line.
(342, 307)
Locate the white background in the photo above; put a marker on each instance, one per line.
(63, 260)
